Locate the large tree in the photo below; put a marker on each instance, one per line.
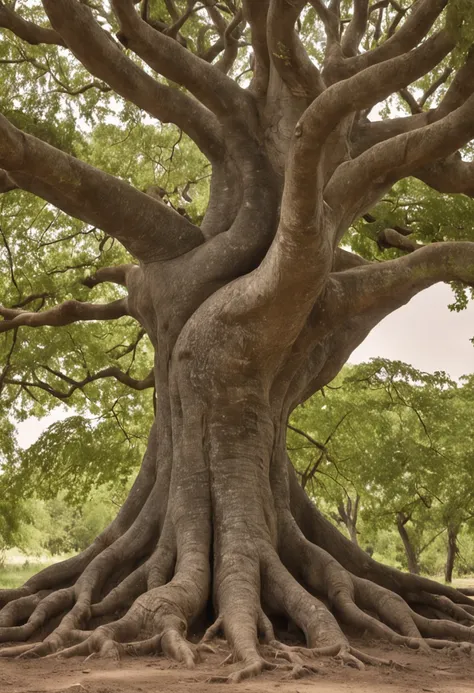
(250, 311)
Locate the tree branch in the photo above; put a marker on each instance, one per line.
(444, 76)
(451, 175)
(64, 314)
(231, 44)
(412, 32)
(343, 260)
(26, 30)
(288, 54)
(355, 31)
(111, 372)
(256, 15)
(380, 288)
(326, 112)
(460, 88)
(115, 275)
(147, 228)
(399, 157)
(330, 18)
(167, 57)
(104, 59)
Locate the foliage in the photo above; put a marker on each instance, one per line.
(399, 439)
(55, 526)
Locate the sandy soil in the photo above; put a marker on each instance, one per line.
(439, 673)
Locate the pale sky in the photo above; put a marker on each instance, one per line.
(423, 333)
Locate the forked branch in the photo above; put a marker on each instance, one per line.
(111, 372)
(399, 157)
(167, 57)
(410, 34)
(104, 59)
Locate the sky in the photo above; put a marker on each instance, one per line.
(424, 333)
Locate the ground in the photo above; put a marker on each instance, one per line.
(439, 673)
(417, 673)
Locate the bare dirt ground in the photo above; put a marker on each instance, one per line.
(438, 673)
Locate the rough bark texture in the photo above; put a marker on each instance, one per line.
(249, 315)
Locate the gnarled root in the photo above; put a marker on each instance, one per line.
(371, 607)
(149, 610)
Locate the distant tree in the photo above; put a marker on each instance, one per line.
(396, 450)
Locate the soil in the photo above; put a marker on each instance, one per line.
(438, 673)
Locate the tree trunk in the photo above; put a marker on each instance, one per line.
(451, 553)
(348, 514)
(412, 558)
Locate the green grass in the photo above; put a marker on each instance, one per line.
(15, 575)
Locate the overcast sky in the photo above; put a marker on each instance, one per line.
(423, 333)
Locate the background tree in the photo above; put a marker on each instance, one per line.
(249, 304)
(396, 452)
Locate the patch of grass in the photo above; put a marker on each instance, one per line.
(15, 575)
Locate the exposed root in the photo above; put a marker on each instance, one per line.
(248, 670)
(109, 613)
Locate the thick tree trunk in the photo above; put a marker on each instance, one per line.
(451, 554)
(214, 522)
(410, 552)
(214, 518)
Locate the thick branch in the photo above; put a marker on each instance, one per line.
(343, 260)
(64, 314)
(461, 88)
(27, 31)
(412, 32)
(330, 19)
(115, 275)
(366, 134)
(147, 228)
(354, 33)
(256, 15)
(104, 59)
(452, 175)
(400, 156)
(168, 58)
(381, 288)
(287, 52)
(322, 117)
